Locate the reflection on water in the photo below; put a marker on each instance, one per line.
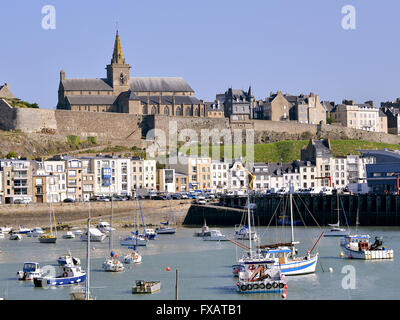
(204, 267)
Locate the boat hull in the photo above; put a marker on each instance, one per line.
(299, 267)
(369, 254)
(47, 240)
(133, 242)
(166, 231)
(41, 282)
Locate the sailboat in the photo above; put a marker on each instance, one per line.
(135, 238)
(335, 230)
(49, 238)
(165, 227)
(286, 253)
(84, 294)
(112, 264)
(258, 274)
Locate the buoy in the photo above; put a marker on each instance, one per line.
(285, 287)
(168, 269)
(284, 295)
(330, 270)
(341, 254)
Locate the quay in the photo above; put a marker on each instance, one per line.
(373, 210)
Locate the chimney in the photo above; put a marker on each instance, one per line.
(62, 75)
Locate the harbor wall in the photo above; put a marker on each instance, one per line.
(124, 212)
(374, 210)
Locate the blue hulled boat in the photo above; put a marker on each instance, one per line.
(68, 275)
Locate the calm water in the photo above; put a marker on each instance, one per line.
(204, 267)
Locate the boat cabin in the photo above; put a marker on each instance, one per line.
(30, 267)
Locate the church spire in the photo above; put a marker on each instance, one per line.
(118, 56)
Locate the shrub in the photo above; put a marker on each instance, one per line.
(74, 140)
(12, 154)
(92, 140)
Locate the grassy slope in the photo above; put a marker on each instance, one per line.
(289, 150)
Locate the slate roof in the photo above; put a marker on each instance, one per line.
(86, 85)
(91, 100)
(167, 84)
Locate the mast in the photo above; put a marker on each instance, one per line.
(291, 218)
(87, 292)
(110, 237)
(338, 209)
(141, 212)
(51, 224)
(249, 220)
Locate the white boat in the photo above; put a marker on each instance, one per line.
(111, 264)
(30, 271)
(336, 230)
(257, 274)
(15, 236)
(95, 235)
(134, 240)
(204, 229)
(242, 233)
(69, 235)
(23, 230)
(150, 234)
(286, 254)
(166, 227)
(67, 275)
(68, 259)
(132, 257)
(214, 235)
(5, 229)
(2, 236)
(105, 227)
(76, 231)
(359, 247)
(50, 237)
(35, 232)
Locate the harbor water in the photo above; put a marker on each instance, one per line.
(205, 267)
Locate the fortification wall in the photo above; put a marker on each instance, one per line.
(7, 116)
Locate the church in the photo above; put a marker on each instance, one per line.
(118, 92)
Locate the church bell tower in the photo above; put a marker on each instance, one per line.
(118, 72)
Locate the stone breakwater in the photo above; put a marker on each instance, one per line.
(124, 213)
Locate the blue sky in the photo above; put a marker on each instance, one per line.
(288, 45)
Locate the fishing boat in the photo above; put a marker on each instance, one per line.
(214, 235)
(30, 271)
(359, 247)
(95, 235)
(142, 286)
(15, 236)
(68, 274)
(204, 229)
(35, 232)
(49, 237)
(68, 259)
(336, 230)
(132, 257)
(135, 238)
(112, 264)
(69, 235)
(286, 253)
(257, 274)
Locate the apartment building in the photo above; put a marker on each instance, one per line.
(219, 176)
(56, 168)
(363, 116)
(197, 169)
(143, 174)
(16, 180)
(166, 180)
(238, 177)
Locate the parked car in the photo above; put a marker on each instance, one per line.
(176, 196)
(22, 201)
(68, 200)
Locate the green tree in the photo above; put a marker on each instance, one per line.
(12, 154)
